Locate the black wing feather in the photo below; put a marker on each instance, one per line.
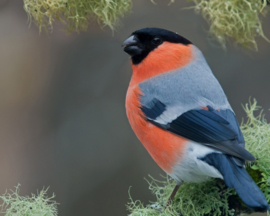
(216, 129)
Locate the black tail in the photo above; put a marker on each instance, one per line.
(238, 178)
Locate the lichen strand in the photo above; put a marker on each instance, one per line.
(237, 19)
(213, 198)
(76, 14)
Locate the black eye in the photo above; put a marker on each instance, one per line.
(157, 41)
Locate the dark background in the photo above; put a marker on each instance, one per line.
(62, 104)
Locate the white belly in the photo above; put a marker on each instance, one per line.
(192, 169)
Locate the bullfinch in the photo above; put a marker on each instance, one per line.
(181, 115)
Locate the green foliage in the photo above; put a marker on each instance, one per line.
(37, 205)
(237, 19)
(76, 14)
(213, 198)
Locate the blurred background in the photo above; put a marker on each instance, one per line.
(62, 104)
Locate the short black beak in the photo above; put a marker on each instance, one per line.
(132, 46)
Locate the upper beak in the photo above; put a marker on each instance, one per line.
(130, 41)
(132, 46)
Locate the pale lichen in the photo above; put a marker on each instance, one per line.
(237, 19)
(76, 14)
(36, 205)
(257, 136)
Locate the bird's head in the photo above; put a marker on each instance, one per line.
(149, 40)
(154, 51)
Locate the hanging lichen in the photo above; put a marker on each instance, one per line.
(213, 198)
(76, 14)
(228, 19)
(237, 19)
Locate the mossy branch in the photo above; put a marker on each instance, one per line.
(213, 198)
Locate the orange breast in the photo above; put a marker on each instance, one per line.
(164, 147)
(167, 57)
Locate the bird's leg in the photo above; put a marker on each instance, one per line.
(172, 195)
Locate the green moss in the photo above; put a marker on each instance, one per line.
(237, 19)
(213, 198)
(256, 175)
(76, 14)
(37, 205)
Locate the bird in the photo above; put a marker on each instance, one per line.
(181, 115)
